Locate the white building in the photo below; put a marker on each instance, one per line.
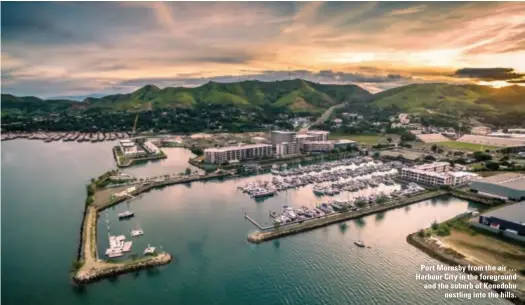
(130, 149)
(239, 153)
(318, 146)
(403, 118)
(278, 136)
(437, 173)
(321, 135)
(481, 130)
(284, 149)
(151, 148)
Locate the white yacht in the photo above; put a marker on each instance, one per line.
(149, 250)
(137, 232)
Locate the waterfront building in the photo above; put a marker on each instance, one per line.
(151, 148)
(286, 148)
(508, 221)
(130, 149)
(319, 135)
(437, 173)
(506, 186)
(245, 152)
(318, 146)
(278, 137)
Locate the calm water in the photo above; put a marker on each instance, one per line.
(202, 225)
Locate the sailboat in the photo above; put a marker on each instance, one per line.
(126, 214)
(137, 231)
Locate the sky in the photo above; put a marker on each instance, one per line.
(78, 49)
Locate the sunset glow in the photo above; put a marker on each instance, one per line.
(56, 49)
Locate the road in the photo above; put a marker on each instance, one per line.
(325, 115)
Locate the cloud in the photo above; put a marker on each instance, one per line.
(517, 81)
(488, 73)
(407, 11)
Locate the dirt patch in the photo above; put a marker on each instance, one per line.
(487, 250)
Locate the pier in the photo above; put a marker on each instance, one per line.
(266, 233)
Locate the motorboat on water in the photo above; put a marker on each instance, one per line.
(149, 250)
(137, 232)
(359, 243)
(126, 214)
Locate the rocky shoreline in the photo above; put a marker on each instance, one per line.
(95, 274)
(456, 259)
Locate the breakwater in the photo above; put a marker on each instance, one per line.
(284, 230)
(160, 184)
(85, 276)
(456, 259)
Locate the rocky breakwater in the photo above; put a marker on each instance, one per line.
(105, 269)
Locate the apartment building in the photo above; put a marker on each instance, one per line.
(226, 154)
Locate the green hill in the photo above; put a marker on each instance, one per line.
(293, 95)
(482, 102)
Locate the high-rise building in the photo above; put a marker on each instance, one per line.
(278, 137)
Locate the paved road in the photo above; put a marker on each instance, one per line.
(325, 115)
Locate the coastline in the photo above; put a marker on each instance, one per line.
(451, 257)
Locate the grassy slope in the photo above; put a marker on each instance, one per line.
(296, 95)
(453, 99)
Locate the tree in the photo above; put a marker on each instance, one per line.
(434, 148)
(492, 165)
(188, 171)
(430, 158)
(481, 156)
(435, 225)
(407, 136)
(389, 140)
(376, 155)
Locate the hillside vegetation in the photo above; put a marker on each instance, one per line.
(486, 103)
(292, 95)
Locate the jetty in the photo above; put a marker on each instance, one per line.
(277, 231)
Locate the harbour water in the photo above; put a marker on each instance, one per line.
(202, 226)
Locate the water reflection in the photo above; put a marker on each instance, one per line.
(343, 227)
(360, 222)
(380, 216)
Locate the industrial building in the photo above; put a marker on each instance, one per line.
(509, 186)
(437, 173)
(238, 153)
(509, 219)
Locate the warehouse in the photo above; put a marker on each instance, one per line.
(509, 219)
(506, 186)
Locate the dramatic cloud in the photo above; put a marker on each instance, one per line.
(489, 73)
(70, 48)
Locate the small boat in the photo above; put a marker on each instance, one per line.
(359, 243)
(126, 247)
(114, 252)
(126, 214)
(137, 232)
(149, 250)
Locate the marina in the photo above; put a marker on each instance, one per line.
(48, 137)
(329, 178)
(203, 227)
